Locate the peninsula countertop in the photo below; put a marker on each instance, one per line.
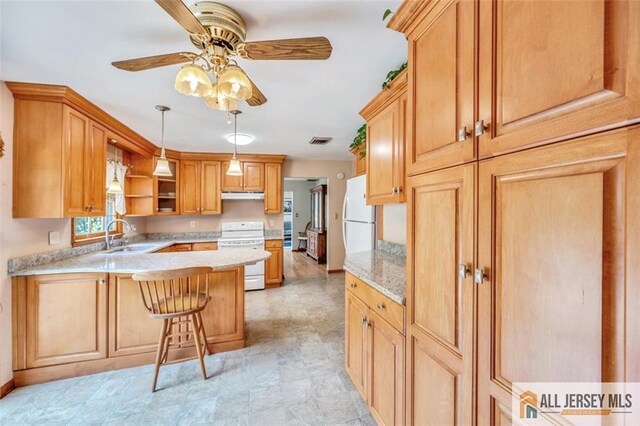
(383, 271)
(131, 261)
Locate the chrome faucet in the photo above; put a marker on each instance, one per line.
(109, 241)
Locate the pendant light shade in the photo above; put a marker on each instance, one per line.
(115, 187)
(235, 168)
(162, 164)
(219, 101)
(235, 84)
(191, 80)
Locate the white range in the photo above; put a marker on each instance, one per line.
(245, 235)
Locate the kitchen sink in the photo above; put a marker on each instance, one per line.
(135, 248)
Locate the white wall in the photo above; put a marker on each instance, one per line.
(336, 190)
(21, 237)
(394, 223)
(301, 205)
(232, 210)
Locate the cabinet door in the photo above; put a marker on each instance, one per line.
(210, 246)
(385, 387)
(230, 183)
(66, 319)
(355, 348)
(211, 202)
(273, 266)
(76, 165)
(190, 183)
(131, 330)
(440, 299)
(399, 152)
(253, 176)
(273, 188)
(576, 73)
(441, 90)
(382, 137)
(558, 239)
(96, 162)
(224, 315)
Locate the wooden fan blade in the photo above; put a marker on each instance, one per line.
(257, 97)
(294, 48)
(181, 13)
(141, 64)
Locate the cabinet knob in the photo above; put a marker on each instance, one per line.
(380, 306)
(354, 285)
(393, 190)
(479, 276)
(102, 281)
(480, 128)
(399, 189)
(463, 271)
(463, 134)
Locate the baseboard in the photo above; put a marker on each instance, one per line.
(335, 271)
(7, 388)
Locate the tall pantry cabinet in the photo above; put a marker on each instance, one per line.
(523, 210)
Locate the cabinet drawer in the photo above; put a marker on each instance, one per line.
(273, 243)
(391, 311)
(205, 246)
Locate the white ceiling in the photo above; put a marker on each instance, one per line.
(74, 42)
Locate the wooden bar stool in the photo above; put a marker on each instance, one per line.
(176, 297)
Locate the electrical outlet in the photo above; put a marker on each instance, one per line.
(54, 238)
(192, 224)
(272, 222)
(335, 216)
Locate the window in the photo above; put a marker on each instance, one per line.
(85, 230)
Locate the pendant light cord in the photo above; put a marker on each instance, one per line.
(235, 135)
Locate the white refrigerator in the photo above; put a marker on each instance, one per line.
(358, 219)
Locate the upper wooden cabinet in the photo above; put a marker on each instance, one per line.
(385, 159)
(167, 191)
(252, 178)
(200, 187)
(273, 188)
(360, 160)
(441, 90)
(576, 74)
(536, 84)
(59, 162)
(59, 146)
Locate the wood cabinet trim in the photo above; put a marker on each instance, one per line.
(386, 97)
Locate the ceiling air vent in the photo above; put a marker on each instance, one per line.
(317, 140)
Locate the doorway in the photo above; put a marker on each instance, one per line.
(297, 221)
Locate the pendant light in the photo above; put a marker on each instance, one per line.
(115, 187)
(162, 165)
(235, 169)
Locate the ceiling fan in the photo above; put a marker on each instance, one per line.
(219, 32)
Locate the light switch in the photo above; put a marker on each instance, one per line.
(54, 238)
(335, 216)
(272, 222)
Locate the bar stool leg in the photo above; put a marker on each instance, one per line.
(203, 334)
(196, 335)
(159, 356)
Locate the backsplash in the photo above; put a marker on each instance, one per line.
(392, 248)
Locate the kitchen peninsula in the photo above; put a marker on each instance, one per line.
(84, 315)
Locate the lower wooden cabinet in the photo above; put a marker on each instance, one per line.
(72, 324)
(273, 267)
(59, 319)
(374, 353)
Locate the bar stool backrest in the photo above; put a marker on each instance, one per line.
(173, 291)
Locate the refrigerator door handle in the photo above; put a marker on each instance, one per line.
(344, 207)
(344, 234)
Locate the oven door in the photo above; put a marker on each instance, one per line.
(251, 269)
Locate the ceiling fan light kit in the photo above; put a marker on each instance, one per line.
(191, 80)
(235, 84)
(217, 101)
(219, 32)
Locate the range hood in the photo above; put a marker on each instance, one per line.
(237, 195)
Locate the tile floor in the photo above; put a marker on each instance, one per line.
(291, 373)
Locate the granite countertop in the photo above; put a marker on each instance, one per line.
(144, 260)
(383, 271)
